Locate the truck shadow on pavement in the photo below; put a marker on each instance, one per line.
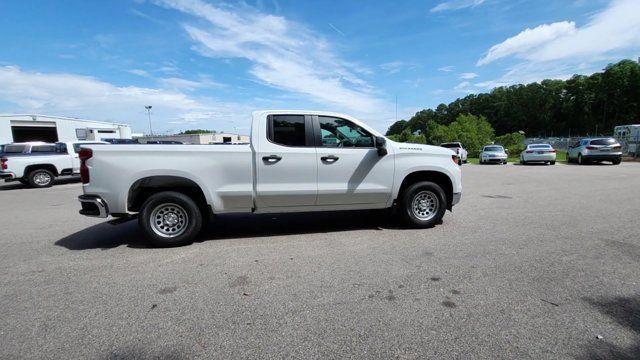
(234, 226)
(16, 185)
(626, 312)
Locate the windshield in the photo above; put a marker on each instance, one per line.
(541, 146)
(494, 148)
(603, 141)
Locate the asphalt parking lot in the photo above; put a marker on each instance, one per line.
(535, 262)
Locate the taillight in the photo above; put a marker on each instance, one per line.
(591, 148)
(84, 155)
(455, 159)
(529, 151)
(4, 163)
(552, 150)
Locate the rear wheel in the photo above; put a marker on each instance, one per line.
(552, 162)
(41, 178)
(423, 204)
(170, 219)
(617, 161)
(580, 161)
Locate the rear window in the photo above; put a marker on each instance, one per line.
(43, 148)
(450, 145)
(603, 141)
(288, 130)
(14, 149)
(542, 146)
(494, 148)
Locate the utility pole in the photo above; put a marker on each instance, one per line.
(396, 108)
(148, 107)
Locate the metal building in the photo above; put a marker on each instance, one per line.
(34, 127)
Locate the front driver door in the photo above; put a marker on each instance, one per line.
(286, 163)
(350, 171)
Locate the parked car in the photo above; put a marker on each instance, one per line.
(121, 141)
(41, 163)
(493, 154)
(595, 150)
(459, 150)
(164, 142)
(543, 153)
(287, 167)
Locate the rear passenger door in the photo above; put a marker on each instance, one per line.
(286, 168)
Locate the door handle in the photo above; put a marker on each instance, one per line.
(272, 158)
(330, 158)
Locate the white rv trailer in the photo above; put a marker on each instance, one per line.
(629, 135)
(34, 127)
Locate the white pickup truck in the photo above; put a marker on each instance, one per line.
(297, 161)
(37, 164)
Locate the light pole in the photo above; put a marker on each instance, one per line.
(148, 107)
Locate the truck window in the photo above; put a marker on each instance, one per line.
(43, 148)
(336, 132)
(287, 130)
(14, 149)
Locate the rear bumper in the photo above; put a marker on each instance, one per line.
(93, 206)
(494, 160)
(7, 176)
(604, 157)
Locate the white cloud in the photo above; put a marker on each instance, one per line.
(447, 68)
(177, 83)
(559, 50)
(396, 66)
(138, 72)
(283, 54)
(84, 96)
(527, 40)
(468, 76)
(456, 5)
(615, 28)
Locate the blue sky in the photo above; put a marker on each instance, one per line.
(208, 64)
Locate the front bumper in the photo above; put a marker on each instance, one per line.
(494, 159)
(93, 206)
(456, 198)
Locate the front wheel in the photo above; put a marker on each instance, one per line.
(580, 161)
(170, 218)
(552, 162)
(617, 161)
(41, 178)
(423, 204)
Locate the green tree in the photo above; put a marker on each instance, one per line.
(198, 131)
(513, 142)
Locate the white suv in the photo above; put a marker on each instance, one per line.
(595, 150)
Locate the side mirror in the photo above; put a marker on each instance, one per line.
(381, 145)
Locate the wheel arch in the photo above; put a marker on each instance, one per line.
(49, 167)
(145, 187)
(434, 176)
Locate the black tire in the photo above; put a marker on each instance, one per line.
(569, 161)
(180, 209)
(434, 193)
(552, 162)
(616, 161)
(522, 162)
(580, 161)
(40, 178)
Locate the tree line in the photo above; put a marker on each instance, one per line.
(582, 105)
